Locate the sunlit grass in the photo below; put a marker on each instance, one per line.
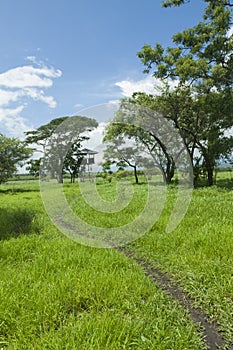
(199, 253)
(57, 294)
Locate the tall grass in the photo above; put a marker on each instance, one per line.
(199, 253)
(57, 294)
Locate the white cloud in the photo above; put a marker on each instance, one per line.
(96, 143)
(149, 85)
(29, 76)
(95, 137)
(39, 95)
(7, 96)
(114, 103)
(78, 105)
(24, 82)
(128, 87)
(32, 59)
(13, 122)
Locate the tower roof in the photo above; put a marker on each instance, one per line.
(86, 151)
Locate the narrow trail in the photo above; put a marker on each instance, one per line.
(211, 334)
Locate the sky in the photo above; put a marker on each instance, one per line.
(59, 58)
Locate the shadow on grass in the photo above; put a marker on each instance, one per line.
(17, 190)
(16, 222)
(225, 183)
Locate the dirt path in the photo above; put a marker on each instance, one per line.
(211, 335)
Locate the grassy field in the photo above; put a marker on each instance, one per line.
(58, 294)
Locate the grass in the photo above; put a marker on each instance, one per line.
(56, 294)
(198, 254)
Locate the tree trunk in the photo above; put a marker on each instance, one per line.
(60, 178)
(170, 170)
(209, 164)
(210, 174)
(135, 175)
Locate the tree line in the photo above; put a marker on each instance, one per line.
(59, 148)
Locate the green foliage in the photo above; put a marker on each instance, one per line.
(13, 153)
(60, 139)
(201, 54)
(202, 58)
(119, 150)
(148, 132)
(40, 135)
(34, 167)
(73, 161)
(201, 119)
(169, 3)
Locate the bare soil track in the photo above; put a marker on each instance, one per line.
(211, 335)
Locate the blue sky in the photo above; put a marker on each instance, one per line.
(58, 57)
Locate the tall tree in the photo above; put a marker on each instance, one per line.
(57, 138)
(152, 134)
(198, 117)
(202, 57)
(43, 133)
(13, 153)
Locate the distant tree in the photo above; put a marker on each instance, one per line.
(34, 167)
(106, 165)
(57, 139)
(43, 133)
(13, 153)
(124, 157)
(73, 160)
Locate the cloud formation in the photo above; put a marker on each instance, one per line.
(13, 122)
(29, 76)
(128, 87)
(20, 83)
(149, 85)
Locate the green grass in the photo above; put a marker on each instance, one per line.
(199, 253)
(57, 294)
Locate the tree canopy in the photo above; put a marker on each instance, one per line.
(13, 153)
(60, 139)
(201, 60)
(201, 55)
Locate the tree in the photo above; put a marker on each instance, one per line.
(57, 139)
(73, 160)
(43, 133)
(13, 153)
(202, 59)
(34, 167)
(124, 157)
(202, 55)
(153, 137)
(198, 117)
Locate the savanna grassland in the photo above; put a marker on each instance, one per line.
(58, 294)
